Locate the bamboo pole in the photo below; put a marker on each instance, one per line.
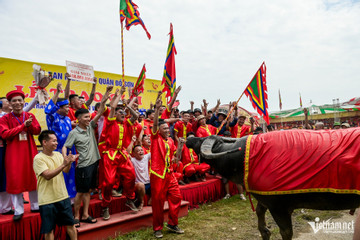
(122, 53)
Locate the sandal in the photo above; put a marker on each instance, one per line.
(77, 223)
(89, 220)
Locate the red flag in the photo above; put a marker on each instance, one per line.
(169, 77)
(139, 85)
(300, 100)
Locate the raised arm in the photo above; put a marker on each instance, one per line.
(158, 104)
(307, 126)
(172, 120)
(139, 139)
(131, 145)
(192, 105)
(102, 103)
(252, 121)
(176, 92)
(115, 100)
(58, 91)
(177, 157)
(92, 94)
(214, 109)
(31, 104)
(205, 107)
(67, 88)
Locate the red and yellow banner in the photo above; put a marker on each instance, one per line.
(17, 74)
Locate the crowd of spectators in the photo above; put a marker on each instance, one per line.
(114, 151)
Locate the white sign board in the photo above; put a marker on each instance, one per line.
(80, 72)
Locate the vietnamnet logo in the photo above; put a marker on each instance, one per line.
(329, 226)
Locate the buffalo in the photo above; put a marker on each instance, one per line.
(287, 170)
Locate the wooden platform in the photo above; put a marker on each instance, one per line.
(123, 222)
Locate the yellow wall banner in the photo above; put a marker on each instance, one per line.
(17, 74)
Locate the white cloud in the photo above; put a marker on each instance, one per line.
(309, 46)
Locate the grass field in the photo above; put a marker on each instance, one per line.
(230, 219)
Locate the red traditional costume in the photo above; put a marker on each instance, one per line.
(163, 182)
(166, 114)
(146, 150)
(205, 131)
(191, 163)
(137, 127)
(240, 131)
(178, 170)
(182, 128)
(149, 124)
(117, 138)
(20, 151)
(72, 111)
(194, 125)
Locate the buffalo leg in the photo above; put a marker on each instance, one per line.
(283, 219)
(260, 212)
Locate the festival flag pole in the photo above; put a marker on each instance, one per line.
(233, 107)
(122, 53)
(130, 14)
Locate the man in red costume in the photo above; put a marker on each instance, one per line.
(149, 121)
(183, 127)
(204, 130)
(117, 134)
(162, 180)
(18, 128)
(191, 163)
(239, 129)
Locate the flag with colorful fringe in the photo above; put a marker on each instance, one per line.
(139, 85)
(129, 12)
(169, 77)
(256, 91)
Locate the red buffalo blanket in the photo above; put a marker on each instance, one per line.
(300, 161)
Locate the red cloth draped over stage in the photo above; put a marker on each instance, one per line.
(29, 227)
(299, 161)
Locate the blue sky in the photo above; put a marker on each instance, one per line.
(309, 46)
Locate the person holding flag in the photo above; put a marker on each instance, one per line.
(256, 91)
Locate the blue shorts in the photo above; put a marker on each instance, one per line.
(57, 213)
(85, 178)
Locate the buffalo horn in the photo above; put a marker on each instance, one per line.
(206, 149)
